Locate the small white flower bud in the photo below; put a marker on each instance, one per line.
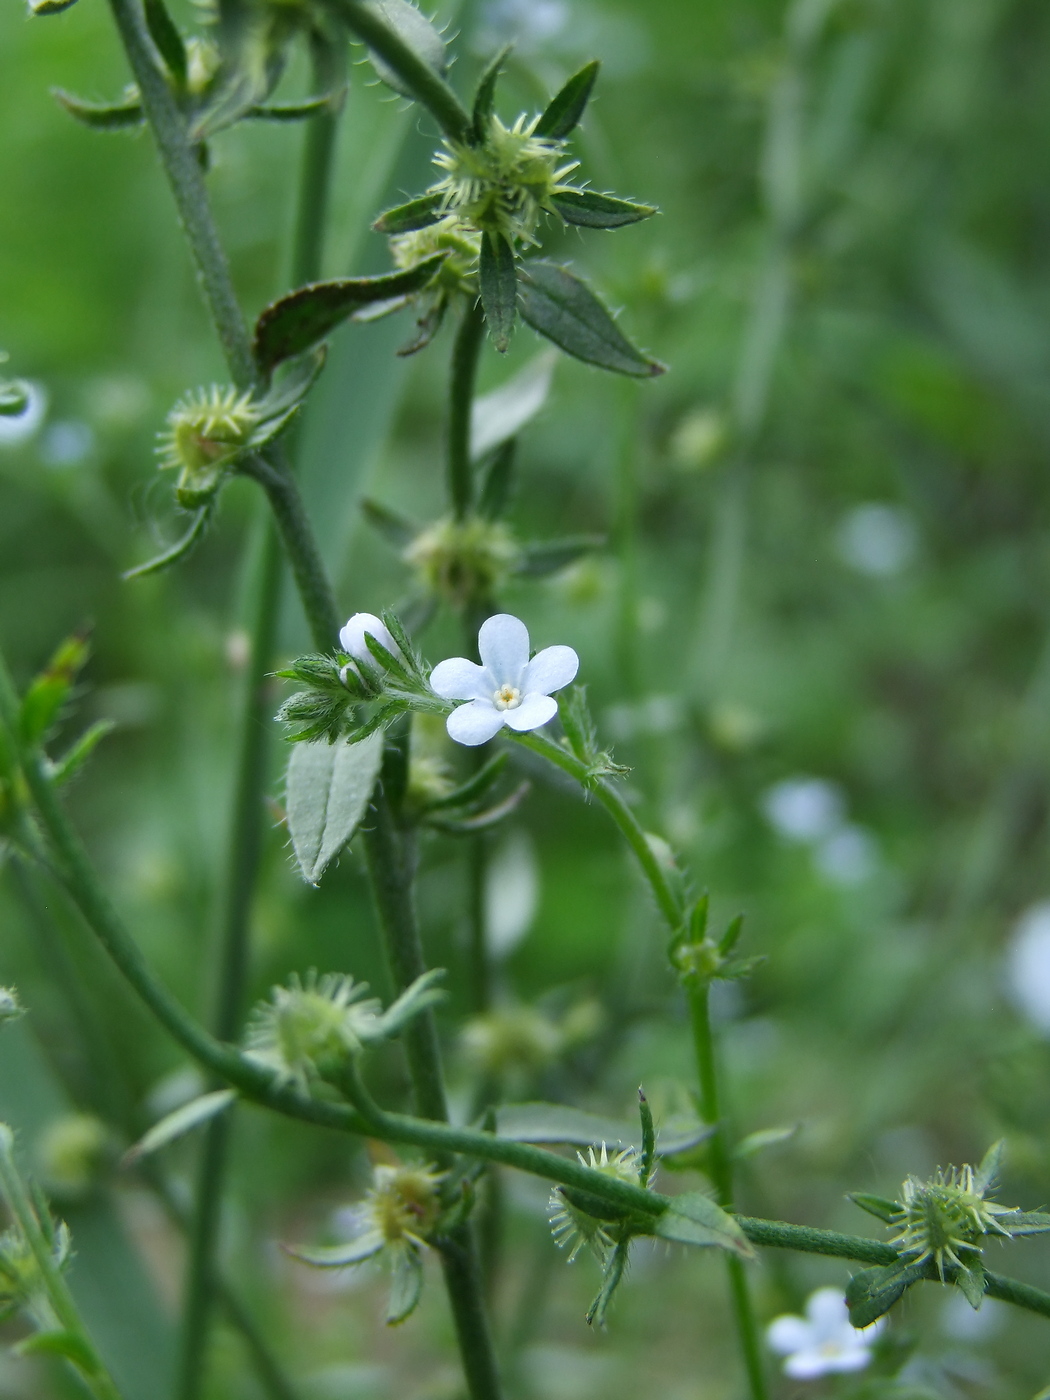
(352, 637)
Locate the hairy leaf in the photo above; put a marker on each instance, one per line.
(79, 752)
(100, 116)
(406, 1285)
(485, 97)
(694, 1218)
(176, 552)
(299, 320)
(327, 793)
(415, 31)
(550, 556)
(873, 1292)
(406, 218)
(498, 277)
(878, 1206)
(591, 210)
(501, 414)
(563, 308)
(167, 39)
(290, 111)
(182, 1120)
(557, 1122)
(566, 107)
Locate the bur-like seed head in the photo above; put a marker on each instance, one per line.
(571, 1227)
(463, 559)
(504, 183)
(205, 429)
(403, 1204)
(308, 1029)
(449, 235)
(72, 1154)
(944, 1218)
(514, 1039)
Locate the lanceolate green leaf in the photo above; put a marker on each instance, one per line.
(289, 111)
(167, 39)
(406, 1285)
(299, 320)
(566, 107)
(556, 1122)
(695, 1219)
(182, 1120)
(414, 29)
(327, 793)
(417, 213)
(563, 308)
(176, 552)
(485, 98)
(592, 210)
(873, 1292)
(100, 116)
(498, 276)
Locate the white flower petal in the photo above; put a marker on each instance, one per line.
(475, 723)
(460, 679)
(533, 711)
(788, 1333)
(549, 670)
(352, 637)
(808, 1365)
(504, 646)
(827, 1311)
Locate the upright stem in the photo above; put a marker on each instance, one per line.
(186, 179)
(245, 846)
(391, 866)
(465, 355)
(721, 1165)
(17, 1199)
(246, 826)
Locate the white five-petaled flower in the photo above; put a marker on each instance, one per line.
(507, 688)
(823, 1341)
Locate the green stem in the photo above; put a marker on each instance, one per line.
(391, 865)
(245, 846)
(465, 354)
(300, 545)
(721, 1168)
(186, 179)
(366, 1118)
(617, 808)
(88, 1364)
(425, 84)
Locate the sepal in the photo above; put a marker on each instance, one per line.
(880, 1207)
(588, 209)
(872, 1292)
(101, 116)
(563, 112)
(407, 218)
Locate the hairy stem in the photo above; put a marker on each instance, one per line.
(425, 83)
(465, 355)
(66, 1314)
(391, 864)
(300, 545)
(721, 1168)
(244, 849)
(186, 179)
(665, 896)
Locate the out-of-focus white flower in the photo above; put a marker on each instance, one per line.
(804, 809)
(508, 688)
(21, 426)
(1028, 966)
(876, 539)
(848, 856)
(67, 443)
(822, 1342)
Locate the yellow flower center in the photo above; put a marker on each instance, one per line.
(508, 697)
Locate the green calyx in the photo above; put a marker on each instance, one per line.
(505, 182)
(206, 432)
(460, 560)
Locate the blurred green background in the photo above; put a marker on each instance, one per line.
(819, 634)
